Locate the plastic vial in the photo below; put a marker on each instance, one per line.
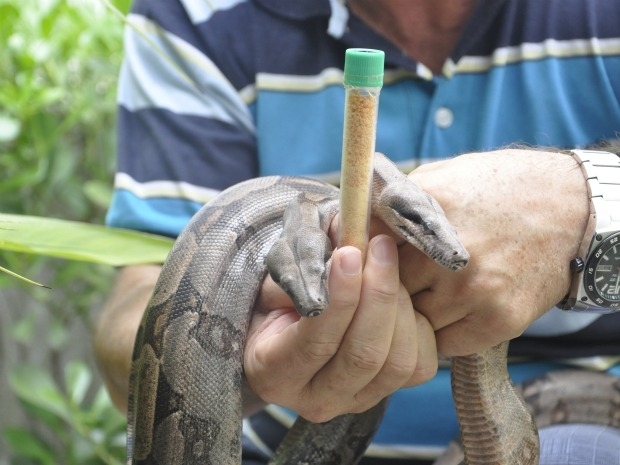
(363, 79)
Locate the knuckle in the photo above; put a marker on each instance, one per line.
(343, 300)
(317, 415)
(383, 295)
(317, 352)
(365, 358)
(424, 373)
(367, 404)
(400, 367)
(318, 412)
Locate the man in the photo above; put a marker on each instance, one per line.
(216, 96)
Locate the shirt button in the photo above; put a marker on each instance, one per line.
(444, 117)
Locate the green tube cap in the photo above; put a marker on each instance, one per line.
(363, 67)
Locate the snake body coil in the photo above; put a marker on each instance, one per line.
(185, 401)
(185, 386)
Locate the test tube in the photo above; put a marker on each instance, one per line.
(363, 79)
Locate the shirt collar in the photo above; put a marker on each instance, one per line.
(483, 17)
(297, 9)
(355, 33)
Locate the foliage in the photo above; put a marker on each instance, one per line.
(57, 94)
(81, 241)
(58, 68)
(69, 430)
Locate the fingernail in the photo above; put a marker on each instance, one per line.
(351, 261)
(383, 250)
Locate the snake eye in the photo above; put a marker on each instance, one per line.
(428, 227)
(411, 216)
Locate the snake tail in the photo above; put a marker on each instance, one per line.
(489, 408)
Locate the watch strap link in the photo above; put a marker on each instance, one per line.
(602, 173)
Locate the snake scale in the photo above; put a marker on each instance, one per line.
(185, 387)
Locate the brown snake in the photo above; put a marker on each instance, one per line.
(186, 377)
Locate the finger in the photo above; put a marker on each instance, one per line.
(319, 338)
(377, 227)
(427, 361)
(279, 363)
(433, 288)
(413, 358)
(417, 271)
(367, 342)
(271, 296)
(483, 326)
(401, 361)
(437, 306)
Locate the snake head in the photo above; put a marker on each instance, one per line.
(417, 217)
(297, 262)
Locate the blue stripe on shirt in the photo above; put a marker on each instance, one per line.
(163, 216)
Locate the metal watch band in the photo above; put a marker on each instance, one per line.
(602, 173)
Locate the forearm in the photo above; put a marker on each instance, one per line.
(117, 327)
(116, 331)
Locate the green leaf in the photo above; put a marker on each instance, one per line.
(36, 387)
(78, 378)
(26, 444)
(108, 417)
(73, 240)
(98, 192)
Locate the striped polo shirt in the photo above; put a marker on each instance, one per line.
(213, 93)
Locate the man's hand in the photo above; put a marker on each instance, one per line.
(368, 343)
(522, 216)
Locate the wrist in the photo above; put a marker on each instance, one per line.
(590, 221)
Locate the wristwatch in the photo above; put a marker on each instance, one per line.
(595, 285)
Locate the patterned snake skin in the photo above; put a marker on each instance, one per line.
(560, 397)
(185, 387)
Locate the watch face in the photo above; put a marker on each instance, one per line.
(602, 274)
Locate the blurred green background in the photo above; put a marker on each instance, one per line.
(59, 61)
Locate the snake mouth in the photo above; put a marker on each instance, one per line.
(404, 231)
(310, 307)
(406, 234)
(454, 263)
(459, 265)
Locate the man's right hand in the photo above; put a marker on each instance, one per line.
(368, 343)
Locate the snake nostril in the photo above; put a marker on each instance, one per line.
(314, 313)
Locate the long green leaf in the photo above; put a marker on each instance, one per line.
(81, 241)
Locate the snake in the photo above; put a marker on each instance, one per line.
(185, 401)
(561, 396)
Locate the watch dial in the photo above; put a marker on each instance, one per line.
(602, 277)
